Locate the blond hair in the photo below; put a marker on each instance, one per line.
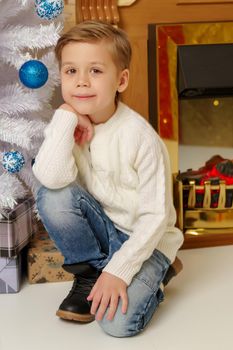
(96, 31)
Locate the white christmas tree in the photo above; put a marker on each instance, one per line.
(29, 29)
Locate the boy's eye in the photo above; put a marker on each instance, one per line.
(71, 71)
(95, 70)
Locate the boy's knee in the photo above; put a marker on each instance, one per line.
(119, 327)
(53, 203)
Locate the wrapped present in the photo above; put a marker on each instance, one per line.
(16, 228)
(45, 261)
(10, 274)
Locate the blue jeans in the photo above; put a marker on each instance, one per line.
(83, 233)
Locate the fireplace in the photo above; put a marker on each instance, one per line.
(191, 107)
(205, 129)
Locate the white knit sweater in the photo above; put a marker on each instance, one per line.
(126, 168)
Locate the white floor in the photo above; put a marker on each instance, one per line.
(197, 313)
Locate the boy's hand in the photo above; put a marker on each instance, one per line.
(106, 292)
(84, 131)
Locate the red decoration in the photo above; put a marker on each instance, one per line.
(165, 118)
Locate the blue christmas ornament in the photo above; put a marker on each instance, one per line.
(49, 9)
(13, 161)
(33, 74)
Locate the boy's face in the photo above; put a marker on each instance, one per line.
(90, 79)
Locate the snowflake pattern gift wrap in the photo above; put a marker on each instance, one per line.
(16, 227)
(45, 261)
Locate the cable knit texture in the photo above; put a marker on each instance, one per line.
(126, 168)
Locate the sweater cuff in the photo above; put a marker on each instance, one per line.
(64, 120)
(126, 272)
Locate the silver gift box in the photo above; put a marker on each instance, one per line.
(10, 274)
(16, 228)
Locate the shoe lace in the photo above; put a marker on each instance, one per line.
(82, 285)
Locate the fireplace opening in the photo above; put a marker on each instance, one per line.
(205, 129)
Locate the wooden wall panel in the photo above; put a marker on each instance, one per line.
(136, 94)
(69, 14)
(168, 11)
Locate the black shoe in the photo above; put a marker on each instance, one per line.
(75, 306)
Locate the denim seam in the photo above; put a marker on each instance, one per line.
(141, 317)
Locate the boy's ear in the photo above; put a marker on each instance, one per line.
(123, 80)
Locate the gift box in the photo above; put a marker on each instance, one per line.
(45, 261)
(16, 228)
(10, 274)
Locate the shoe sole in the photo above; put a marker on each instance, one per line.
(71, 316)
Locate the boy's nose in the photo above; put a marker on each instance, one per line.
(83, 81)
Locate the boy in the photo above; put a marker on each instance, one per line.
(106, 195)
